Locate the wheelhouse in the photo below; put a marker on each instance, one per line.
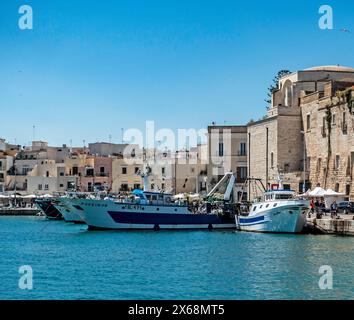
(153, 198)
(276, 195)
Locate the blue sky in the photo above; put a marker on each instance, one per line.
(90, 68)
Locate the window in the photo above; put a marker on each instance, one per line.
(46, 187)
(337, 162)
(243, 149)
(337, 187)
(163, 170)
(221, 149)
(61, 174)
(137, 186)
(124, 187)
(243, 173)
(308, 122)
(25, 170)
(319, 164)
(61, 186)
(75, 171)
(39, 187)
(344, 125)
(333, 119)
(101, 169)
(162, 186)
(136, 170)
(124, 170)
(286, 167)
(152, 186)
(283, 196)
(347, 189)
(89, 172)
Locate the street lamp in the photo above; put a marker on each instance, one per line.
(176, 160)
(304, 163)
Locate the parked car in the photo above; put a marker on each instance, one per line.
(346, 207)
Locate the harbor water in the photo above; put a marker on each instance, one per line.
(69, 262)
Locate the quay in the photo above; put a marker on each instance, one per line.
(342, 225)
(19, 211)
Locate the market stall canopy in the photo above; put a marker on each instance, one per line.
(332, 193)
(30, 196)
(317, 192)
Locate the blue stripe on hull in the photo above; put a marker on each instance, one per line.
(168, 219)
(251, 220)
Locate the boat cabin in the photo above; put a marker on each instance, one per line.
(276, 195)
(153, 198)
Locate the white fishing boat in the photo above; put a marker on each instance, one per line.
(68, 210)
(278, 211)
(150, 210)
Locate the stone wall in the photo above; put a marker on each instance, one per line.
(330, 143)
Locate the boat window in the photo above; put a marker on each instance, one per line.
(267, 205)
(261, 207)
(255, 208)
(283, 196)
(275, 204)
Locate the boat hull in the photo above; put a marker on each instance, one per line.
(285, 219)
(48, 209)
(69, 212)
(108, 215)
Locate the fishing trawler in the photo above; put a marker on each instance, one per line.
(47, 208)
(151, 210)
(278, 211)
(68, 211)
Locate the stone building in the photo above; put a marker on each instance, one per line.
(276, 143)
(227, 151)
(328, 115)
(125, 176)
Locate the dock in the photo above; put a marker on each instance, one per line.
(342, 225)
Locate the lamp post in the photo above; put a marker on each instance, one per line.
(304, 163)
(176, 160)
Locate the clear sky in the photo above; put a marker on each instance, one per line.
(89, 68)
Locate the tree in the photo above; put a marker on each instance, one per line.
(275, 85)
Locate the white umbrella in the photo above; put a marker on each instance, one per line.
(30, 196)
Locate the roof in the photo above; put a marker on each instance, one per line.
(334, 68)
(234, 129)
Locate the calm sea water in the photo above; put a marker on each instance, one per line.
(71, 263)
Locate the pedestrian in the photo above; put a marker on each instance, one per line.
(334, 208)
(312, 206)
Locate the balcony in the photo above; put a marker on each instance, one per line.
(101, 174)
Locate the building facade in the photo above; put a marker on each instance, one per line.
(227, 152)
(328, 117)
(278, 143)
